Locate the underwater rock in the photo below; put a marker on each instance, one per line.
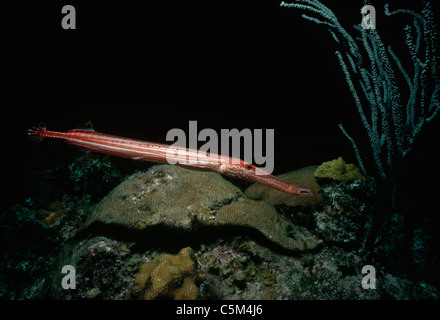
(303, 176)
(167, 277)
(337, 169)
(176, 197)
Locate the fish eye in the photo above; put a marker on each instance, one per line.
(249, 167)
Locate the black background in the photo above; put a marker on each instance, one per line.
(140, 68)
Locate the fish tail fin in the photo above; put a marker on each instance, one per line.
(36, 133)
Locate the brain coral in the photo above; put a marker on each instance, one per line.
(167, 277)
(181, 198)
(302, 176)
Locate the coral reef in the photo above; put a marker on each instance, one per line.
(39, 238)
(337, 169)
(237, 268)
(180, 198)
(302, 176)
(242, 269)
(167, 277)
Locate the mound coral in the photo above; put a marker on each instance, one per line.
(167, 277)
(166, 195)
(183, 199)
(263, 217)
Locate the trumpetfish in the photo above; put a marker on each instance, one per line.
(90, 140)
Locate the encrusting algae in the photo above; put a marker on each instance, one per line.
(167, 277)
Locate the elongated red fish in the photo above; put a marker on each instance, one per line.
(91, 140)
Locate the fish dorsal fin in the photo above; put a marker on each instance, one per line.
(86, 128)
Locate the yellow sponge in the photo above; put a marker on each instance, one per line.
(338, 170)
